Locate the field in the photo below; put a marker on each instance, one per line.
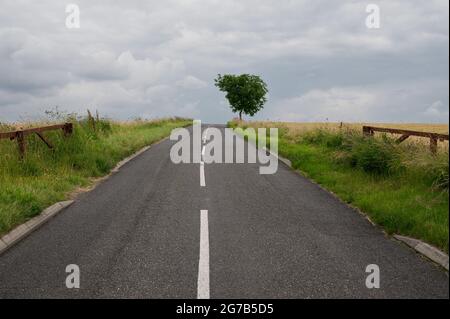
(45, 176)
(401, 187)
(300, 127)
(296, 129)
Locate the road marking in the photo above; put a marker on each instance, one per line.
(203, 264)
(202, 174)
(204, 135)
(202, 164)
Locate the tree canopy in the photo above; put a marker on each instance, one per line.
(246, 93)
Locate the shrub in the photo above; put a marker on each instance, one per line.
(375, 156)
(104, 125)
(324, 137)
(433, 169)
(439, 172)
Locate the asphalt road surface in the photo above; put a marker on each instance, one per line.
(153, 231)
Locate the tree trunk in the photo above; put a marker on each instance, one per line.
(240, 115)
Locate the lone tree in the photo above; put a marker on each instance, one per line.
(246, 93)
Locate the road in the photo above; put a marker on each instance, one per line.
(152, 231)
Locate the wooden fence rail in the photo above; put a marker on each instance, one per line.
(434, 137)
(20, 135)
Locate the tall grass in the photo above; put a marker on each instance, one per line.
(46, 176)
(402, 187)
(384, 156)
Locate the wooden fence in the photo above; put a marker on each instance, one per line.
(434, 137)
(20, 135)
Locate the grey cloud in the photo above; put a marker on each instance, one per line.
(385, 102)
(191, 82)
(158, 58)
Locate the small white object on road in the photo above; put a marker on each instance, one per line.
(204, 136)
(202, 164)
(202, 174)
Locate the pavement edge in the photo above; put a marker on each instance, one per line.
(20, 232)
(426, 250)
(432, 253)
(23, 230)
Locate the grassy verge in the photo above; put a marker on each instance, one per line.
(45, 177)
(402, 187)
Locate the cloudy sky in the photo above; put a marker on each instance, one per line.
(158, 58)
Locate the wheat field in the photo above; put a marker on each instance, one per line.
(305, 126)
(295, 129)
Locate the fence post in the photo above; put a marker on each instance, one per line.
(433, 144)
(21, 142)
(367, 131)
(68, 129)
(91, 120)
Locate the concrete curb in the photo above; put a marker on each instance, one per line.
(280, 158)
(129, 159)
(426, 250)
(21, 231)
(133, 156)
(116, 169)
(277, 156)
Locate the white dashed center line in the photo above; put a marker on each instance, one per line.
(203, 264)
(204, 136)
(202, 164)
(202, 174)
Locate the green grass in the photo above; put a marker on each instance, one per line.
(404, 189)
(45, 176)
